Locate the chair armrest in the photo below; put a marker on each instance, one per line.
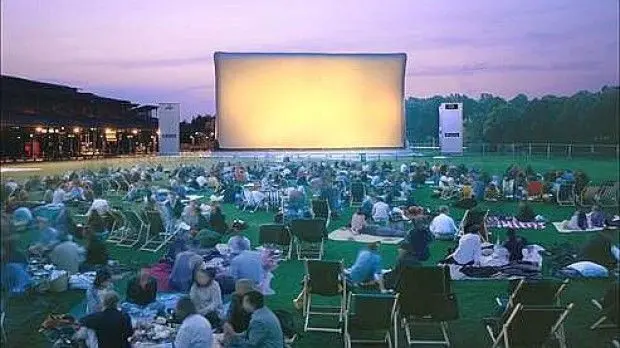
(498, 301)
(596, 304)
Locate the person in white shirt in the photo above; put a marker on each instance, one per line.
(99, 205)
(443, 226)
(469, 249)
(60, 195)
(404, 168)
(195, 331)
(380, 211)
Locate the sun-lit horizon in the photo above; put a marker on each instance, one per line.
(160, 51)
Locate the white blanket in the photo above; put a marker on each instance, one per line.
(559, 226)
(346, 235)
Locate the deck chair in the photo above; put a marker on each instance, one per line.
(589, 195)
(508, 188)
(310, 237)
(135, 227)
(566, 194)
(528, 326)
(119, 227)
(252, 200)
(368, 314)
(158, 233)
(534, 190)
(609, 195)
(615, 343)
(608, 309)
(358, 192)
(321, 210)
(278, 235)
(4, 336)
(273, 199)
(475, 217)
(534, 293)
(426, 298)
(325, 279)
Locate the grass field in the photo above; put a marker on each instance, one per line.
(476, 298)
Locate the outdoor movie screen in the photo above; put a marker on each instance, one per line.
(309, 101)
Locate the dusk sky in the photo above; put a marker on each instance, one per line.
(154, 51)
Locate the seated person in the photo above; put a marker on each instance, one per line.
(468, 250)
(236, 316)
(514, 244)
(579, 221)
(443, 226)
(48, 237)
(467, 200)
(247, 265)
(406, 258)
(112, 327)
(217, 220)
(67, 256)
(596, 217)
(96, 251)
(60, 195)
(359, 225)
(380, 211)
(181, 276)
(191, 214)
(195, 330)
(525, 213)
(366, 207)
(358, 221)
(264, 329)
(99, 205)
(492, 192)
(206, 295)
(419, 237)
(102, 283)
(367, 267)
(238, 243)
(142, 289)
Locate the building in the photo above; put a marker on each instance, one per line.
(49, 121)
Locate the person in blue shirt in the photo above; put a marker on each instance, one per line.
(247, 265)
(366, 207)
(367, 266)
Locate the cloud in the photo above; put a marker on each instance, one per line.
(147, 63)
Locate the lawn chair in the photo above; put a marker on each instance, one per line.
(425, 298)
(158, 233)
(615, 343)
(475, 217)
(135, 227)
(320, 210)
(609, 195)
(252, 200)
(533, 293)
(566, 194)
(508, 188)
(589, 196)
(326, 279)
(370, 313)
(528, 326)
(535, 191)
(309, 238)
(608, 308)
(278, 235)
(358, 192)
(119, 227)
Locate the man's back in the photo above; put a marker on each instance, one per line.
(195, 332)
(265, 330)
(247, 265)
(112, 327)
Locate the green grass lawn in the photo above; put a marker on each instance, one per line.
(476, 298)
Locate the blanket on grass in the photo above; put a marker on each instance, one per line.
(561, 229)
(346, 235)
(511, 222)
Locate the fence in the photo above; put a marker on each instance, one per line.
(538, 150)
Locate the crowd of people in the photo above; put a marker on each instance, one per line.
(231, 303)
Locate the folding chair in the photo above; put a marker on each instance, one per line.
(589, 195)
(529, 326)
(276, 234)
(534, 190)
(4, 336)
(320, 210)
(370, 313)
(534, 293)
(135, 226)
(609, 195)
(325, 279)
(615, 343)
(508, 188)
(309, 238)
(158, 233)
(608, 308)
(475, 217)
(425, 298)
(358, 192)
(119, 227)
(566, 194)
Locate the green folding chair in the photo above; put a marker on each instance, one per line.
(325, 279)
(370, 315)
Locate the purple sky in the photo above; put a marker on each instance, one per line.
(162, 51)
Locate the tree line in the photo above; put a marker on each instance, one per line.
(584, 117)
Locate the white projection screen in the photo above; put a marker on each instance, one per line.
(309, 101)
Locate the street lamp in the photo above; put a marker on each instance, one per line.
(76, 130)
